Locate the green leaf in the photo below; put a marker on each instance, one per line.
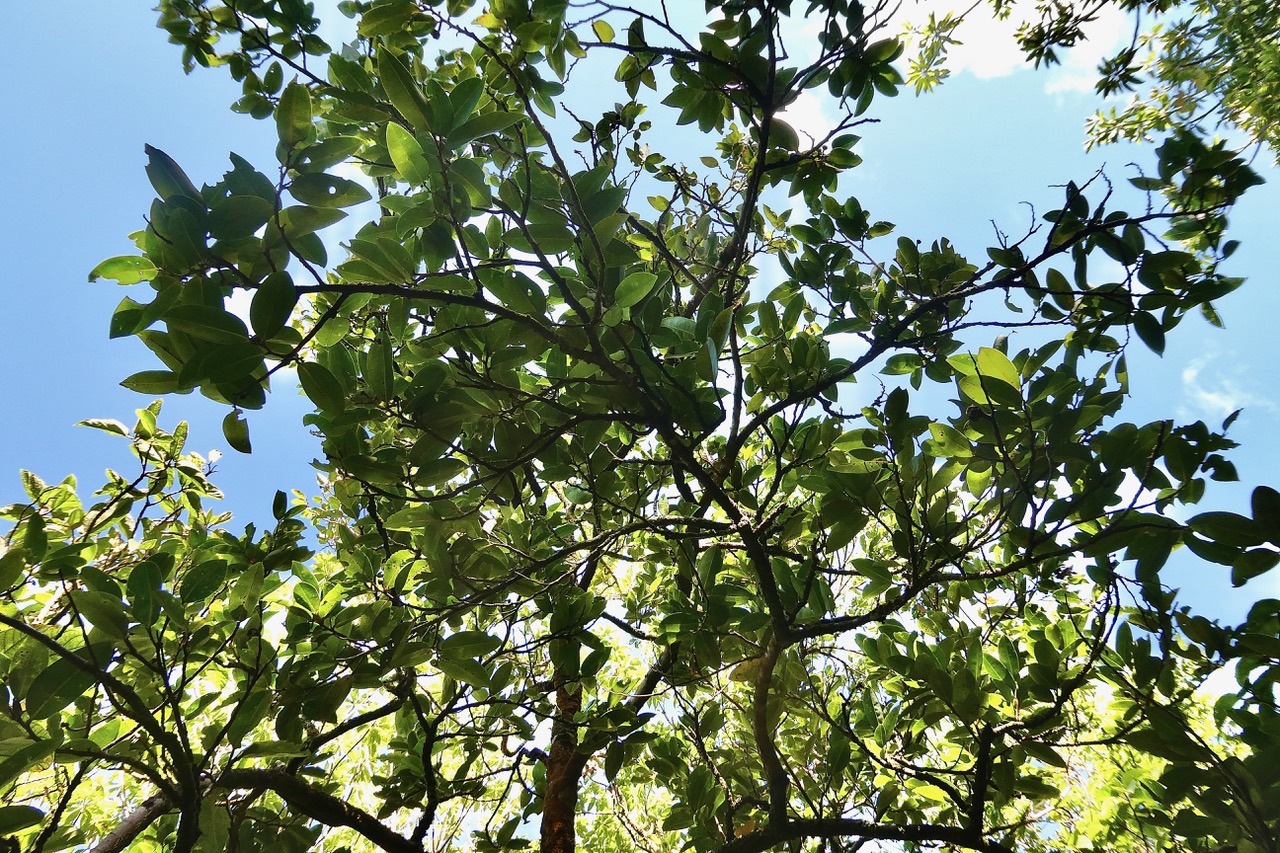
(994, 364)
(273, 304)
(293, 115)
(143, 585)
(482, 125)
(236, 431)
(402, 90)
(1150, 332)
(153, 382)
(783, 135)
(207, 323)
(297, 220)
(103, 611)
(12, 565)
(125, 269)
(238, 216)
(322, 387)
(464, 97)
(407, 154)
(632, 289)
(14, 819)
(603, 31)
(469, 645)
(902, 363)
(379, 370)
(1265, 505)
(949, 442)
(167, 176)
(57, 687)
(1228, 528)
(321, 190)
(249, 713)
(23, 758)
(1252, 563)
(466, 671)
(412, 518)
(202, 581)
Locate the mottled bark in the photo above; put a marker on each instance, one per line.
(564, 773)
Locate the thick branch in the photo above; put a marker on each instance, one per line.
(775, 773)
(134, 823)
(564, 765)
(757, 842)
(319, 806)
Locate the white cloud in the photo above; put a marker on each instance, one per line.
(1209, 392)
(1079, 69)
(807, 116)
(988, 47)
(811, 115)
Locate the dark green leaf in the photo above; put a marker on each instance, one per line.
(202, 581)
(238, 216)
(1265, 505)
(321, 190)
(321, 386)
(167, 176)
(236, 431)
(273, 304)
(482, 125)
(16, 818)
(1252, 563)
(207, 323)
(1228, 528)
(1149, 331)
(402, 90)
(57, 687)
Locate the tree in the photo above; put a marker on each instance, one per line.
(606, 554)
(1207, 62)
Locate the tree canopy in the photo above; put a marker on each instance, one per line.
(1188, 63)
(671, 499)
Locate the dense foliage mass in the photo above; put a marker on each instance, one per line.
(671, 500)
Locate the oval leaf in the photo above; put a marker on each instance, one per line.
(236, 431)
(322, 387)
(153, 382)
(273, 304)
(17, 818)
(402, 90)
(321, 190)
(634, 288)
(207, 323)
(407, 154)
(125, 269)
(56, 688)
(293, 114)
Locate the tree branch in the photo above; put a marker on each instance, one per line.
(757, 842)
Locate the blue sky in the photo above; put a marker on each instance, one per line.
(98, 81)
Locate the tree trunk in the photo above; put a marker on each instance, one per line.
(564, 772)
